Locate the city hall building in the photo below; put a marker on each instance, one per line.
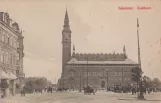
(11, 55)
(98, 70)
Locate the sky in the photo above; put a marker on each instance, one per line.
(97, 26)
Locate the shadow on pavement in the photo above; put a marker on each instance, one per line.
(137, 100)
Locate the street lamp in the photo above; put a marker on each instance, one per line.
(107, 77)
(80, 90)
(87, 69)
(98, 80)
(141, 96)
(73, 75)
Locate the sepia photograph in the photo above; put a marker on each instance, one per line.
(80, 51)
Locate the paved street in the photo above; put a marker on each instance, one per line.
(76, 97)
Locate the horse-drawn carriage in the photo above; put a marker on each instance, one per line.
(89, 90)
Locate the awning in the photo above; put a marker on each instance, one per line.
(11, 76)
(3, 75)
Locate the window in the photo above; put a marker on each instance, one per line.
(85, 73)
(89, 73)
(104, 73)
(6, 58)
(1, 56)
(18, 45)
(119, 73)
(17, 56)
(14, 43)
(7, 39)
(128, 79)
(71, 73)
(14, 59)
(126, 73)
(125, 79)
(10, 41)
(94, 73)
(112, 73)
(100, 74)
(120, 79)
(3, 37)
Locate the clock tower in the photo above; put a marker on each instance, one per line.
(66, 41)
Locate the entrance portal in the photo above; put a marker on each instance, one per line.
(102, 84)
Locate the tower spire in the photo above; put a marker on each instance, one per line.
(66, 15)
(66, 7)
(66, 22)
(124, 50)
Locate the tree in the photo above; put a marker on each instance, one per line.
(147, 81)
(136, 75)
(156, 82)
(37, 82)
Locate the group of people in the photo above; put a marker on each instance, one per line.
(130, 89)
(28, 90)
(89, 89)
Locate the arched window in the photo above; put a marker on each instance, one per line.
(7, 38)
(102, 84)
(14, 59)
(17, 59)
(10, 41)
(7, 59)
(3, 38)
(11, 58)
(1, 56)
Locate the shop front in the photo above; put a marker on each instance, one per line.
(7, 84)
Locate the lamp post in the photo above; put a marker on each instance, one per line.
(73, 78)
(80, 90)
(83, 77)
(141, 96)
(98, 86)
(87, 69)
(107, 77)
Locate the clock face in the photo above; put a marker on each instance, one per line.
(66, 37)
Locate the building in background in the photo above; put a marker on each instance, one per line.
(11, 55)
(98, 70)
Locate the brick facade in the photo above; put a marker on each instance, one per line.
(103, 69)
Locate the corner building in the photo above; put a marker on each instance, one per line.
(97, 70)
(11, 55)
